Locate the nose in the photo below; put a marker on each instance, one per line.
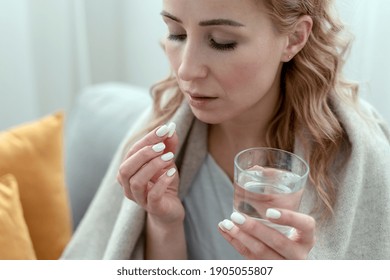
(192, 65)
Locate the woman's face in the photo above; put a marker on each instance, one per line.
(226, 56)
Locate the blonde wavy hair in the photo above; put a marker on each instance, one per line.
(309, 81)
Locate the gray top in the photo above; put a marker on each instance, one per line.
(209, 201)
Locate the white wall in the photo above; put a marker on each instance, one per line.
(39, 67)
(146, 62)
(123, 38)
(53, 53)
(17, 91)
(51, 49)
(369, 62)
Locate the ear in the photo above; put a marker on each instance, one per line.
(298, 37)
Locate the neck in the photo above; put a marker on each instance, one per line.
(237, 136)
(247, 130)
(226, 139)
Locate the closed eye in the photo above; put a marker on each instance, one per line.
(222, 47)
(179, 37)
(213, 44)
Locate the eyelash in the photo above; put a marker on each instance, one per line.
(213, 44)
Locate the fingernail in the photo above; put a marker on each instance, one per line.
(167, 156)
(158, 147)
(220, 225)
(171, 128)
(227, 224)
(163, 130)
(237, 218)
(171, 172)
(273, 213)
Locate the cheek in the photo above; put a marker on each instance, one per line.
(240, 76)
(250, 75)
(256, 65)
(173, 57)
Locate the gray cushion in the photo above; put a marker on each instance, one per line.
(94, 129)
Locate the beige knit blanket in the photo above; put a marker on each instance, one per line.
(113, 225)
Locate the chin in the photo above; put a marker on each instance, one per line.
(208, 117)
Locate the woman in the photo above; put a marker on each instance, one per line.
(249, 73)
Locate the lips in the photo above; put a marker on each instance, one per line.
(199, 100)
(199, 96)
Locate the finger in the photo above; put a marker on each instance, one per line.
(134, 163)
(139, 182)
(304, 224)
(137, 157)
(157, 191)
(289, 248)
(143, 154)
(247, 244)
(171, 141)
(159, 134)
(236, 244)
(272, 238)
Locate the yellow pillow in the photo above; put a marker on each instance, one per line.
(15, 241)
(33, 153)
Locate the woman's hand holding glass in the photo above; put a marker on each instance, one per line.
(268, 188)
(149, 176)
(255, 240)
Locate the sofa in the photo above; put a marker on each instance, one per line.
(100, 119)
(51, 168)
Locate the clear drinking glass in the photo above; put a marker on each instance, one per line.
(268, 178)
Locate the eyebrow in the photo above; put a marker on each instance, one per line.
(219, 21)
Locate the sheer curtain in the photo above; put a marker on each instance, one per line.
(44, 57)
(369, 61)
(51, 49)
